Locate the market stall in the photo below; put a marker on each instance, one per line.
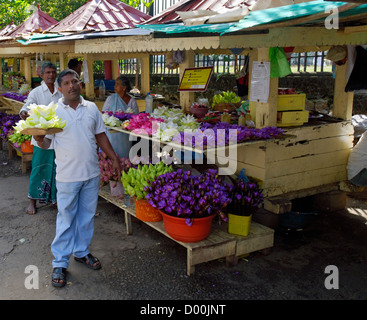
(311, 155)
(325, 167)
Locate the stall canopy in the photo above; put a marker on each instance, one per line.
(291, 15)
(100, 15)
(38, 21)
(214, 10)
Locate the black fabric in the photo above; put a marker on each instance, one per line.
(358, 77)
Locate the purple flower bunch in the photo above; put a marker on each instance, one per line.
(15, 96)
(119, 115)
(180, 194)
(223, 133)
(244, 133)
(7, 121)
(246, 198)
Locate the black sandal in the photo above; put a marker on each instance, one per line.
(89, 261)
(60, 275)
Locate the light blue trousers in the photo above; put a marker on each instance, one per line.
(77, 204)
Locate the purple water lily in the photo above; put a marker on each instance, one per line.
(246, 198)
(189, 196)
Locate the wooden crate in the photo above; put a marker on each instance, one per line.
(291, 102)
(312, 156)
(219, 244)
(291, 118)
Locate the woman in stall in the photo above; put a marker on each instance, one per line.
(121, 100)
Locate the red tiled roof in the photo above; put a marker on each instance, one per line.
(100, 15)
(170, 16)
(37, 22)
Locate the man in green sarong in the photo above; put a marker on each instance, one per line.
(42, 184)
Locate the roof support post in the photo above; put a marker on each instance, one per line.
(145, 74)
(264, 114)
(187, 98)
(115, 68)
(62, 61)
(89, 87)
(27, 70)
(343, 101)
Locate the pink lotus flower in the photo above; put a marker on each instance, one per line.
(143, 123)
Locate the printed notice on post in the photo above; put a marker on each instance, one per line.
(260, 81)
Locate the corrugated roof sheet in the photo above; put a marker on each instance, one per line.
(100, 15)
(263, 18)
(7, 29)
(37, 22)
(170, 16)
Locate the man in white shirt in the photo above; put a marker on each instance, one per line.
(42, 184)
(77, 175)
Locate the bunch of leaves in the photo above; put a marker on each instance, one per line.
(180, 194)
(136, 179)
(19, 138)
(226, 97)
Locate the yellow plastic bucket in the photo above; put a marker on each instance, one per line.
(239, 225)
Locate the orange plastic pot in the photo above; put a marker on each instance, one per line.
(145, 212)
(180, 231)
(26, 147)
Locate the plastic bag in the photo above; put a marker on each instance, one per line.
(279, 65)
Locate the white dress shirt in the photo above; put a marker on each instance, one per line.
(75, 147)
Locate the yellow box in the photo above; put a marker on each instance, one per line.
(292, 118)
(291, 102)
(239, 225)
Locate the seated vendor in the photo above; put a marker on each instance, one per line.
(357, 162)
(122, 101)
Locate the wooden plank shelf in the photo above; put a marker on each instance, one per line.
(219, 244)
(25, 157)
(203, 150)
(12, 105)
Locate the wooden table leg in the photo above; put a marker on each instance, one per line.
(190, 267)
(128, 223)
(10, 150)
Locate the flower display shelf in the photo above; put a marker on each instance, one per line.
(198, 150)
(219, 243)
(25, 157)
(11, 104)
